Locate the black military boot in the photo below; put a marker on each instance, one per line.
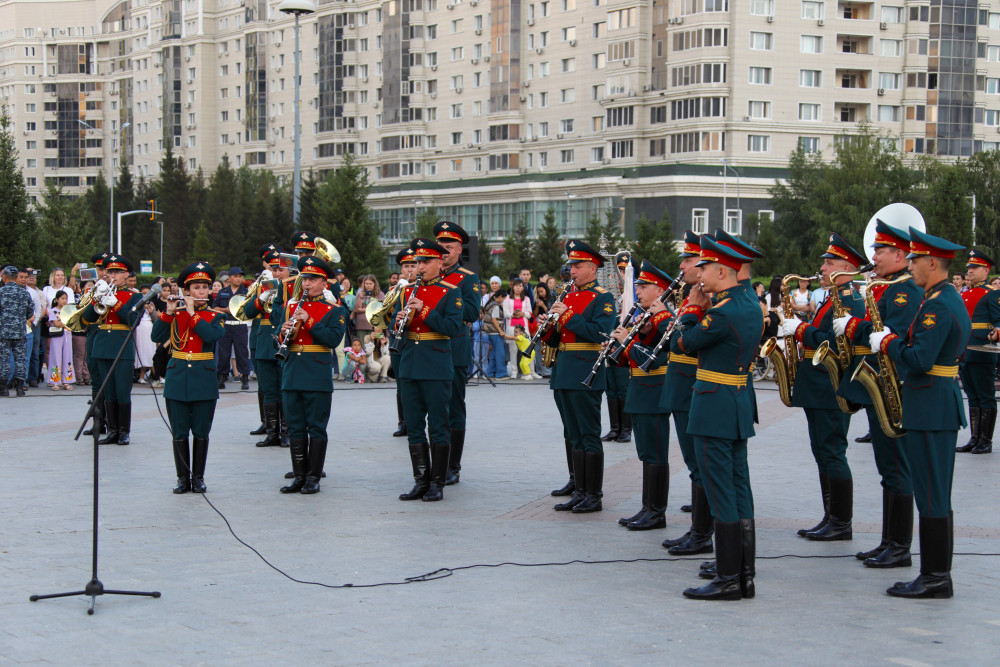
(748, 531)
(282, 425)
(455, 457)
(886, 510)
(111, 418)
(439, 472)
(298, 449)
(316, 459)
(935, 562)
(98, 423)
(182, 463)
(18, 388)
(580, 482)
(702, 526)
(659, 488)
(400, 422)
(614, 416)
(245, 382)
(594, 467)
(199, 455)
(987, 420)
(420, 459)
(824, 487)
(666, 544)
(624, 521)
(124, 423)
(899, 533)
(273, 438)
(4, 391)
(626, 422)
(729, 565)
(838, 527)
(262, 429)
(570, 486)
(974, 416)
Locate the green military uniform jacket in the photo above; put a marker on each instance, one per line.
(114, 329)
(897, 306)
(983, 306)
(681, 370)
(726, 339)
(427, 353)
(812, 387)
(309, 366)
(645, 388)
(579, 333)
(467, 283)
(263, 345)
(929, 354)
(191, 371)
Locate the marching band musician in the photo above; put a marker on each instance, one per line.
(304, 244)
(95, 378)
(929, 353)
(650, 422)
(585, 317)
(814, 393)
(725, 334)
(452, 237)
(264, 347)
(983, 305)
(407, 271)
(678, 389)
(191, 390)
(427, 369)
(113, 329)
(254, 332)
(897, 306)
(616, 379)
(317, 324)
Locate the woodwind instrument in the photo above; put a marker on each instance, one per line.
(399, 331)
(785, 361)
(547, 320)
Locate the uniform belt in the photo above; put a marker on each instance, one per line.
(427, 335)
(861, 349)
(309, 348)
(943, 371)
(231, 322)
(676, 358)
(192, 356)
(808, 354)
(115, 327)
(981, 325)
(639, 373)
(721, 378)
(578, 347)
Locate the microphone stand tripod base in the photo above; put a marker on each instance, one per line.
(93, 588)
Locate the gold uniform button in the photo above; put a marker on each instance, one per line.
(298, 354)
(189, 365)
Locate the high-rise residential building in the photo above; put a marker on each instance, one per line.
(490, 110)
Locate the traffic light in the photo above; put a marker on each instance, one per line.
(152, 209)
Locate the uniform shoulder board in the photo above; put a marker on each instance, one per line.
(464, 270)
(723, 302)
(846, 291)
(600, 290)
(934, 296)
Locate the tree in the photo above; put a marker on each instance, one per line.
(425, 222)
(487, 266)
(517, 248)
(308, 218)
(944, 200)
(204, 250)
(653, 242)
(548, 250)
(611, 232)
(593, 231)
(18, 232)
(67, 229)
(984, 176)
(98, 201)
(179, 196)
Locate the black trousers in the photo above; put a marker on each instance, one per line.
(236, 341)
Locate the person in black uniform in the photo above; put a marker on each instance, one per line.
(236, 339)
(407, 271)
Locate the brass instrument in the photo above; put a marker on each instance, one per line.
(836, 364)
(549, 352)
(72, 313)
(326, 252)
(238, 303)
(399, 331)
(785, 361)
(884, 387)
(379, 313)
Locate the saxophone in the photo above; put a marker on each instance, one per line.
(883, 386)
(785, 362)
(836, 363)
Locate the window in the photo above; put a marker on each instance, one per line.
(621, 116)
(568, 5)
(734, 221)
(622, 18)
(891, 47)
(758, 109)
(597, 154)
(890, 80)
(621, 149)
(657, 147)
(456, 165)
(993, 54)
(456, 138)
(810, 78)
(812, 9)
(993, 117)
(699, 220)
(598, 60)
(543, 159)
(760, 75)
(811, 44)
(566, 125)
(762, 41)
(456, 26)
(890, 114)
(758, 143)
(567, 95)
(810, 112)
(600, 29)
(566, 156)
(892, 14)
(809, 144)
(457, 53)
(762, 7)
(456, 111)
(569, 33)
(568, 64)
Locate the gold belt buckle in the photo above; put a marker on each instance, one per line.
(187, 356)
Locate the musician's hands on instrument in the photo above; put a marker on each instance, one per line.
(994, 335)
(789, 326)
(656, 307)
(188, 303)
(558, 308)
(109, 300)
(328, 296)
(840, 324)
(619, 334)
(875, 340)
(171, 306)
(266, 275)
(699, 298)
(101, 288)
(415, 304)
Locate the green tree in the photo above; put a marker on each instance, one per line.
(548, 250)
(984, 176)
(18, 231)
(654, 243)
(611, 232)
(517, 248)
(205, 250)
(179, 196)
(944, 199)
(67, 229)
(487, 265)
(98, 200)
(308, 218)
(425, 222)
(593, 231)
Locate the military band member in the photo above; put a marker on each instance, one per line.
(897, 306)
(978, 368)
(95, 378)
(725, 335)
(191, 391)
(585, 317)
(254, 332)
(113, 329)
(263, 348)
(451, 237)
(651, 423)
(676, 399)
(407, 271)
(616, 379)
(307, 377)
(434, 312)
(929, 353)
(304, 244)
(814, 393)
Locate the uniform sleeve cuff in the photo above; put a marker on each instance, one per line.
(884, 346)
(166, 318)
(851, 327)
(800, 331)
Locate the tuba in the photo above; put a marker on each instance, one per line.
(836, 363)
(785, 361)
(883, 386)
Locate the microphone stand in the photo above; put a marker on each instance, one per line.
(475, 361)
(94, 587)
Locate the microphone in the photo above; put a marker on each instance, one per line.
(153, 292)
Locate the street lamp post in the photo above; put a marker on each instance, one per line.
(111, 215)
(297, 8)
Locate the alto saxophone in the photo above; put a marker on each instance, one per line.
(883, 386)
(836, 363)
(785, 362)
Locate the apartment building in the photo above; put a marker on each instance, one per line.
(490, 110)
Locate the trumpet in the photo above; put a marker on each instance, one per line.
(785, 362)
(399, 331)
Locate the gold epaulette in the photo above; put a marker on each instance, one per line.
(600, 290)
(464, 270)
(722, 303)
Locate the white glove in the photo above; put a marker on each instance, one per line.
(268, 296)
(875, 340)
(789, 326)
(840, 324)
(328, 295)
(101, 288)
(266, 275)
(109, 300)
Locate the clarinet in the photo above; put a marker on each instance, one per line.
(547, 321)
(644, 366)
(399, 331)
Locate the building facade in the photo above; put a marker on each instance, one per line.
(490, 110)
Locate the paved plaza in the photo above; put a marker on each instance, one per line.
(222, 605)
